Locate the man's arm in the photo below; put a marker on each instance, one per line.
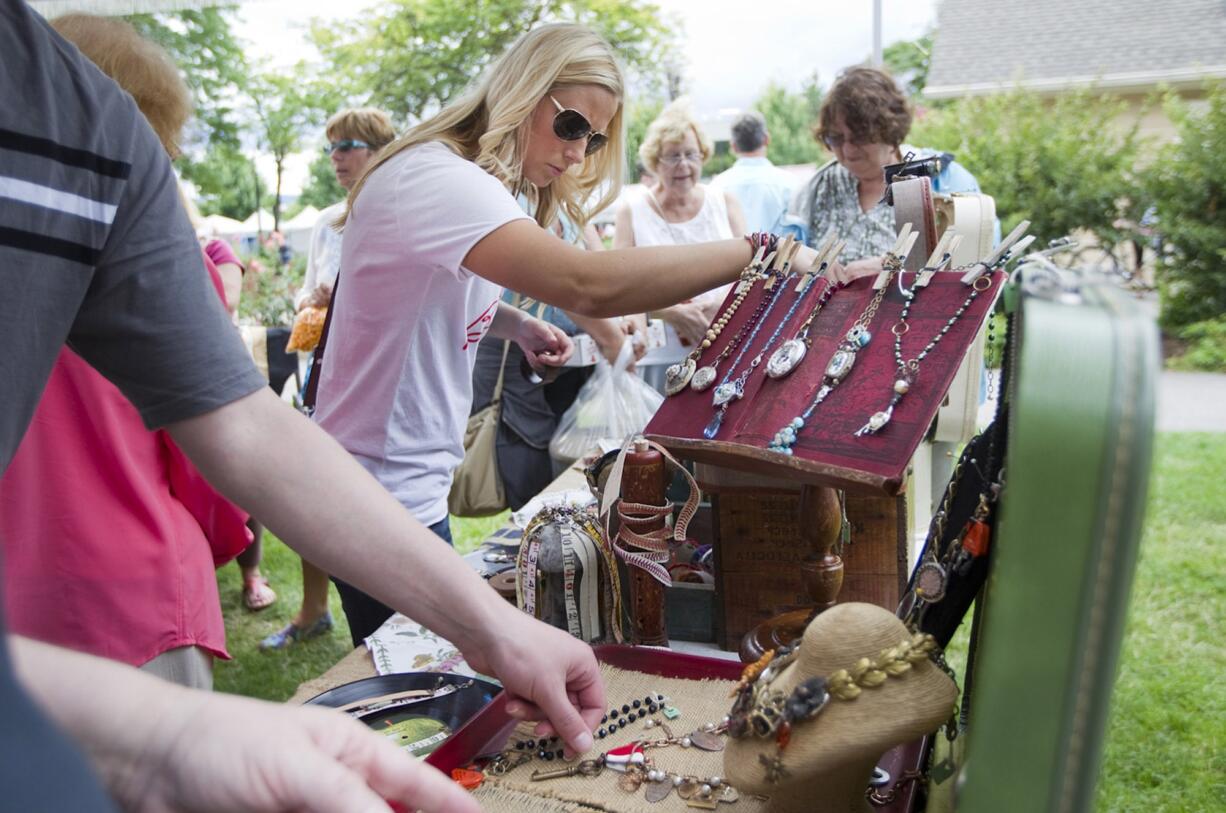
(282, 468)
(158, 746)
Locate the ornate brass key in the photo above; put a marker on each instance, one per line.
(588, 767)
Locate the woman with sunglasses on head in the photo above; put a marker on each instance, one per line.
(863, 121)
(676, 210)
(434, 233)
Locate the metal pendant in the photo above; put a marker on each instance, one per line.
(659, 791)
(725, 392)
(930, 582)
(840, 364)
(630, 781)
(678, 375)
(707, 741)
(703, 378)
(876, 422)
(688, 788)
(786, 359)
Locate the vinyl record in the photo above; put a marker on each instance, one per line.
(418, 723)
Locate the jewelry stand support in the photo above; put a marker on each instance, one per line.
(644, 481)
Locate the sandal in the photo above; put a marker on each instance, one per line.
(292, 633)
(257, 594)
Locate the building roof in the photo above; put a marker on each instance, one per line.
(982, 46)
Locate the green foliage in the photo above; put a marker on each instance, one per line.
(321, 188)
(639, 116)
(269, 288)
(1206, 347)
(225, 181)
(908, 62)
(1188, 187)
(286, 108)
(789, 119)
(410, 57)
(1063, 164)
(213, 62)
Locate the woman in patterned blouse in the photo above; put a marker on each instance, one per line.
(863, 121)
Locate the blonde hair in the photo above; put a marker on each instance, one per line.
(139, 66)
(367, 124)
(670, 127)
(489, 124)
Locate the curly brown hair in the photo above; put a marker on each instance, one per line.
(871, 105)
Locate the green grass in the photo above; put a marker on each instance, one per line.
(1164, 748)
(276, 675)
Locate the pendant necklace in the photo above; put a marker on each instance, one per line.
(792, 352)
(908, 370)
(731, 389)
(704, 377)
(855, 340)
(676, 376)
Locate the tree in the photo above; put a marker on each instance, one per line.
(225, 182)
(321, 188)
(411, 57)
(213, 62)
(908, 62)
(1064, 164)
(790, 117)
(286, 110)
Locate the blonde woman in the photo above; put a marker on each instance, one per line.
(433, 234)
(677, 209)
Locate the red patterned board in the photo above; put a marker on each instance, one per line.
(827, 451)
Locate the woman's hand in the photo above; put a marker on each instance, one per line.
(689, 320)
(543, 344)
(321, 297)
(869, 266)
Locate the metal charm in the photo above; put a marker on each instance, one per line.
(659, 791)
(787, 358)
(707, 741)
(703, 378)
(678, 375)
(724, 393)
(930, 582)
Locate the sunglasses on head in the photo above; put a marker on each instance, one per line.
(345, 146)
(571, 125)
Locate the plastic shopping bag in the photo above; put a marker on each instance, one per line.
(611, 405)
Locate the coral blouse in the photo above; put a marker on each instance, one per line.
(110, 535)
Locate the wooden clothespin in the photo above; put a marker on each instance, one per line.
(995, 257)
(941, 257)
(821, 262)
(778, 256)
(906, 242)
(751, 271)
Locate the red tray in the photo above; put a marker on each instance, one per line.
(488, 731)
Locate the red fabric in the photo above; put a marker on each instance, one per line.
(220, 252)
(828, 436)
(110, 535)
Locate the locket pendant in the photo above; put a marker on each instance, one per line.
(724, 393)
(787, 358)
(678, 375)
(703, 377)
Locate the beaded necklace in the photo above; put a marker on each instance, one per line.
(704, 377)
(679, 374)
(731, 389)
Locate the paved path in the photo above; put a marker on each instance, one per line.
(1191, 402)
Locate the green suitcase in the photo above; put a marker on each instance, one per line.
(1079, 446)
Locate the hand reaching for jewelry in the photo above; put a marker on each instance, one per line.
(869, 266)
(548, 675)
(689, 320)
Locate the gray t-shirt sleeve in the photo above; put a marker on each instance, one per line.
(151, 321)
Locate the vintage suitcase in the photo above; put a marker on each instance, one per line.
(1079, 447)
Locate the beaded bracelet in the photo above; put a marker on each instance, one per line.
(759, 239)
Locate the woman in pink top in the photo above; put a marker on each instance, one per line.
(110, 535)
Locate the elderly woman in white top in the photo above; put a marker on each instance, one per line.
(679, 210)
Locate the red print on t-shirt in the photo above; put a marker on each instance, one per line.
(477, 327)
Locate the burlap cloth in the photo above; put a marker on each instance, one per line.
(699, 701)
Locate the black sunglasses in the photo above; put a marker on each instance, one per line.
(571, 125)
(345, 146)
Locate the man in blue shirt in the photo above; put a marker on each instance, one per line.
(763, 189)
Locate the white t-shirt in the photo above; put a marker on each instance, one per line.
(396, 386)
(324, 254)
